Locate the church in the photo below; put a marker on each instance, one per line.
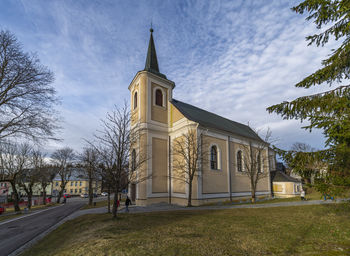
(162, 120)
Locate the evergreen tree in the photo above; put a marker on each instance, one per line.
(329, 110)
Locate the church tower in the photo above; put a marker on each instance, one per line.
(151, 93)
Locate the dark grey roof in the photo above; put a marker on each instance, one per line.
(211, 120)
(279, 176)
(151, 60)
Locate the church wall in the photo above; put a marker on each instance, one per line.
(159, 165)
(141, 192)
(214, 181)
(158, 113)
(135, 111)
(175, 114)
(178, 174)
(240, 182)
(143, 97)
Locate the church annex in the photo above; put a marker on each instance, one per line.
(162, 119)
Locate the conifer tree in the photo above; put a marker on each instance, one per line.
(329, 110)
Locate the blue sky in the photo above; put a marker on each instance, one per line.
(233, 58)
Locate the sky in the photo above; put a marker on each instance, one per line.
(233, 58)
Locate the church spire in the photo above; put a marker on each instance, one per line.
(151, 61)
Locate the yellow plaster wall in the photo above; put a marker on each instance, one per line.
(240, 182)
(277, 188)
(175, 114)
(159, 165)
(142, 171)
(158, 113)
(177, 172)
(214, 181)
(135, 111)
(143, 97)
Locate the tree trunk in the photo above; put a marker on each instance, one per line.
(44, 195)
(253, 193)
(16, 198)
(189, 202)
(91, 195)
(109, 198)
(115, 204)
(30, 195)
(59, 196)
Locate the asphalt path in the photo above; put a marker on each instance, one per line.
(16, 233)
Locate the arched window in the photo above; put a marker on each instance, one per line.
(133, 160)
(239, 161)
(259, 162)
(159, 98)
(214, 158)
(135, 100)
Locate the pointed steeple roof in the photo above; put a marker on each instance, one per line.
(151, 60)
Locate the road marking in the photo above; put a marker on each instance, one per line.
(36, 212)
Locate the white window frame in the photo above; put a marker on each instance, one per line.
(218, 152)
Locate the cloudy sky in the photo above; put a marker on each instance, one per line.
(233, 58)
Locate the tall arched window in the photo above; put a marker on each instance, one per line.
(258, 159)
(135, 100)
(214, 158)
(239, 161)
(159, 97)
(133, 160)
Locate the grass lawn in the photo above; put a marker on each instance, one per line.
(300, 230)
(103, 203)
(98, 204)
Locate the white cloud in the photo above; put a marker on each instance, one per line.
(234, 58)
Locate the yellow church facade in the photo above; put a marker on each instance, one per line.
(161, 120)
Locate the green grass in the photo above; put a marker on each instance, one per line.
(99, 204)
(301, 230)
(310, 195)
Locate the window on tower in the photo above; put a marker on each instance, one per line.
(159, 98)
(135, 100)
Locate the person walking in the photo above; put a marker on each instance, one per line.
(302, 195)
(127, 203)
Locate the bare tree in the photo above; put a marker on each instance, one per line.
(255, 160)
(115, 142)
(188, 155)
(14, 161)
(27, 98)
(63, 160)
(45, 173)
(90, 161)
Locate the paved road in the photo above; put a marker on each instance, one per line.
(15, 233)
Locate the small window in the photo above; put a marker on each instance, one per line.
(76, 183)
(135, 100)
(71, 190)
(213, 158)
(71, 183)
(81, 183)
(239, 161)
(56, 184)
(79, 190)
(75, 190)
(159, 98)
